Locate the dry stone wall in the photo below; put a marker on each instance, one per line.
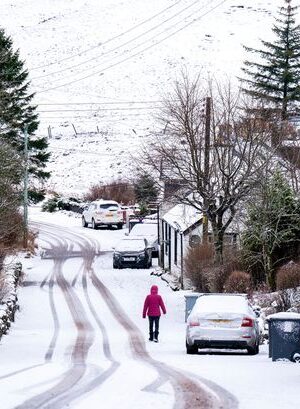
(8, 298)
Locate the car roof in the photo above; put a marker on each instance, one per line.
(221, 303)
(134, 238)
(144, 228)
(103, 201)
(131, 241)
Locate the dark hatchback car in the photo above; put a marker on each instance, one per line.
(132, 252)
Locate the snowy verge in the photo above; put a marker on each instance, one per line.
(10, 278)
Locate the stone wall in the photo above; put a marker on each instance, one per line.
(8, 299)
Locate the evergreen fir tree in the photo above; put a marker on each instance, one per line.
(16, 109)
(145, 189)
(272, 233)
(275, 80)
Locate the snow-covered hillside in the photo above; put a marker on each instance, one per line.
(99, 69)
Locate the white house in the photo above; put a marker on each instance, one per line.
(181, 227)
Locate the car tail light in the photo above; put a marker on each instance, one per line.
(247, 322)
(194, 324)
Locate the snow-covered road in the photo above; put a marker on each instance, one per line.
(79, 340)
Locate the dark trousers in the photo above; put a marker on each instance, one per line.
(153, 322)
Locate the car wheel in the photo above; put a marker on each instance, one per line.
(84, 223)
(115, 265)
(94, 225)
(253, 350)
(120, 226)
(296, 357)
(191, 349)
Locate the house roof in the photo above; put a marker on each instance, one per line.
(183, 217)
(186, 218)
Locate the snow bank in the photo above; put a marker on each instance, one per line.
(8, 300)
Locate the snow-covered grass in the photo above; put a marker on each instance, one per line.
(122, 56)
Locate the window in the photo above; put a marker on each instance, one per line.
(111, 206)
(194, 240)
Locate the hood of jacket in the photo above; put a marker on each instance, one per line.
(154, 289)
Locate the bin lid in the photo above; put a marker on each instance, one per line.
(284, 316)
(192, 295)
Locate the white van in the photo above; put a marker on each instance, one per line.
(103, 213)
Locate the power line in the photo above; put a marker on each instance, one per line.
(133, 55)
(94, 116)
(121, 45)
(101, 103)
(107, 41)
(99, 109)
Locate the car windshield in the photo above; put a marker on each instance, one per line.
(110, 206)
(130, 245)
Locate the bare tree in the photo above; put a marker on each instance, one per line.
(216, 176)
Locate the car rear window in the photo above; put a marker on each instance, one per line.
(110, 206)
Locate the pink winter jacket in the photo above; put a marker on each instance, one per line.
(153, 303)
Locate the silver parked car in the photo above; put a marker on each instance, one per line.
(222, 321)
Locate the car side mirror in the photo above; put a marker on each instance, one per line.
(127, 234)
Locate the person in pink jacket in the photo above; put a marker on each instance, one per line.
(152, 306)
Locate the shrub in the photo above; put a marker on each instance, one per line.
(230, 264)
(36, 196)
(198, 264)
(50, 205)
(121, 192)
(288, 276)
(11, 232)
(238, 282)
(201, 269)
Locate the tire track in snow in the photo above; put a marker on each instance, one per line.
(52, 345)
(83, 342)
(188, 393)
(68, 388)
(220, 398)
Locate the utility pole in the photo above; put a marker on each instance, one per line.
(206, 165)
(25, 198)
